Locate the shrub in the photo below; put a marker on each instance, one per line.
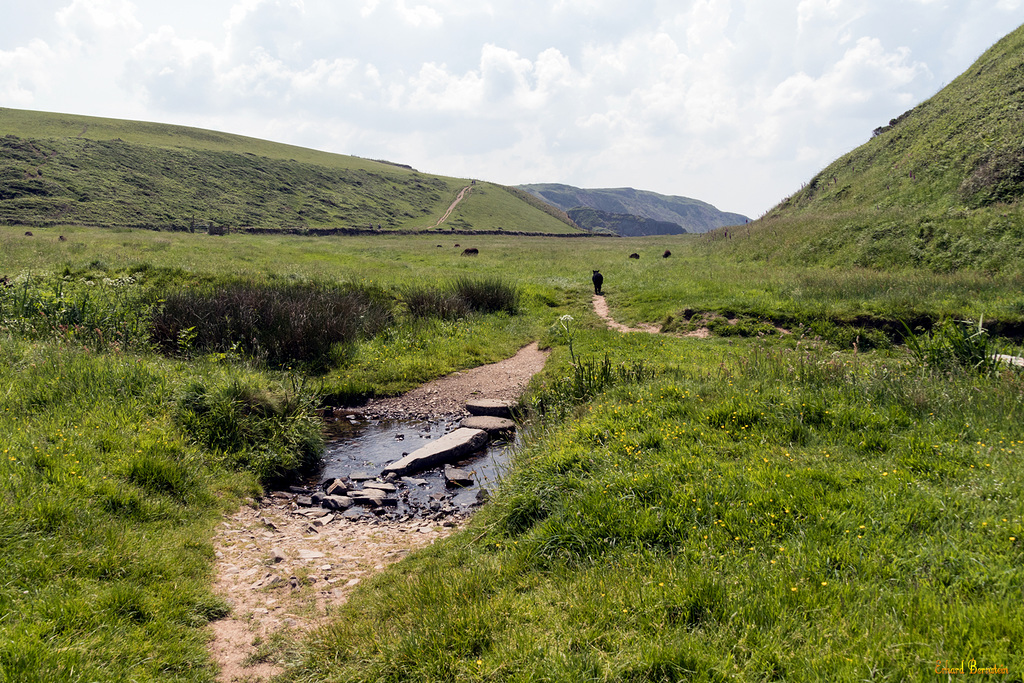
(276, 324)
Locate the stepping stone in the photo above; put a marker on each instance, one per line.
(380, 486)
(449, 448)
(313, 512)
(495, 426)
(489, 406)
(337, 502)
(361, 476)
(367, 495)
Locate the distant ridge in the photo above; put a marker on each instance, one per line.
(939, 187)
(690, 215)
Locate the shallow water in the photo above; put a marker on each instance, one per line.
(358, 448)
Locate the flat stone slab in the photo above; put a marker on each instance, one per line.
(448, 448)
(492, 425)
(489, 406)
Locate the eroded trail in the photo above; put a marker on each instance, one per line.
(601, 308)
(462, 195)
(284, 572)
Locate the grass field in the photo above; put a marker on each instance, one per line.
(753, 506)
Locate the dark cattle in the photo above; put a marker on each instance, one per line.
(456, 246)
(472, 251)
(634, 255)
(666, 254)
(598, 280)
(62, 238)
(28, 234)
(440, 246)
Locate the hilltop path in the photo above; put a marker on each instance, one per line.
(462, 194)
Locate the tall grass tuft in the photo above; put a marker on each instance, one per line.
(431, 302)
(956, 345)
(276, 324)
(462, 296)
(271, 432)
(487, 295)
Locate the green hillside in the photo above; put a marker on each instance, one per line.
(60, 169)
(690, 214)
(939, 187)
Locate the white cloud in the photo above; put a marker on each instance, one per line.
(420, 16)
(24, 72)
(731, 101)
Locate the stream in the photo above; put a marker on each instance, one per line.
(358, 449)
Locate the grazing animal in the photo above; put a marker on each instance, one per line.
(634, 255)
(62, 238)
(472, 251)
(598, 280)
(440, 246)
(28, 234)
(666, 254)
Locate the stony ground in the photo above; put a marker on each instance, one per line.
(284, 572)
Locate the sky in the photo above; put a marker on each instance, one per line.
(733, 102)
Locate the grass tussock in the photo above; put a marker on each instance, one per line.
(273, 433)
(462, 296)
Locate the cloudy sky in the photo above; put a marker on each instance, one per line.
(734, 102)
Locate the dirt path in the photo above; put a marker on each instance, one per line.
(284, 573)
(601, 308)
(447, 396)
(462, 194)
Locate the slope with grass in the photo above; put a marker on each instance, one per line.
(58, 169)
(939, 187)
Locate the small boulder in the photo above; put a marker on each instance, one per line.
(335, 487)
(454, 476)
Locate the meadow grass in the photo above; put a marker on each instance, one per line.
(757, 508)
(750, 513)
(107, 512)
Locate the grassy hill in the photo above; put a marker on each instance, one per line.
(939, 187)
(690, 214)
(60, 169)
